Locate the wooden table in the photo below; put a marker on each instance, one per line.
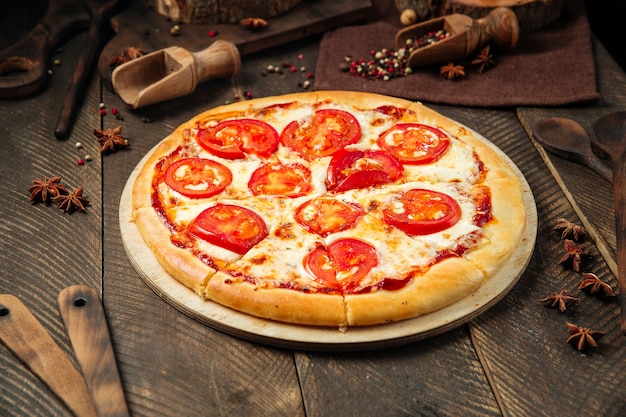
(511, 360)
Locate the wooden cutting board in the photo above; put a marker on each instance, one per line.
(141, 27)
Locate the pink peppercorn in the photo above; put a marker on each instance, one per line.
(103, 112)
(81, 162)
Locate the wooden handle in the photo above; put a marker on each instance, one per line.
(619, 196)
(220, 60)
(86, 326)
(22, 333)
(24, 65)
(499, 29)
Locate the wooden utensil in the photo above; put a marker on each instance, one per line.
(569, 140)
(173, 72)
(86, 326)
(610, 136)
(499, 29)
(24, 335)
(24, 65)
(100, 14)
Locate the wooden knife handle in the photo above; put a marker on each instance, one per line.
(29, 341)
(86, 326)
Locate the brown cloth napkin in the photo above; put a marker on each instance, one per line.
(551, 66)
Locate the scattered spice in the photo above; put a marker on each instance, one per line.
(593, 285)
(110, 139)
(72, 201)
(574, 254)
(42, 191)
(126, 55)
(389, 63)
(81, 162)
(583, 338)
(569, 230)
(254, 23)
(175, 30)
(213, 33)
(484, 59)
(451, 71)
(562, 300)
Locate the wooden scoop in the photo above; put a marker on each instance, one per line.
(610, 136)
(173, 72)
(569, 140)
(499, 29)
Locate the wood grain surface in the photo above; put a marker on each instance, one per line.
(510, 361)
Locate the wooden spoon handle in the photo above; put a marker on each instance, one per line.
(499, 29)
(619, 197)
(24, 335)
(86, 326)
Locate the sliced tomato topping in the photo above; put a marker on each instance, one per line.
(360, 169)
(324, 216)
(197, 177)
(414, 143)
(229, 226)
(289, 180)
(328, 131)
(421, 212)
(342, 264)
(233, 139)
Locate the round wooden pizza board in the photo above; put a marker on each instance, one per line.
(301, 337)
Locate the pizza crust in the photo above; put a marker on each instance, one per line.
(279, 304)
(441, 285)
(181, 264)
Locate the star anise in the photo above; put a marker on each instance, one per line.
(72, 201)
(484, 59)
(583, 338)
(110, 139)
(562, 300)
(254, 23)
(127, 54)
(569, 229)
(593, 285)
(452, 71)
(574, 254)
(43, 190)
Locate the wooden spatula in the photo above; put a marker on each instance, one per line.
(610, 137)
(29, 341)
(86, 326)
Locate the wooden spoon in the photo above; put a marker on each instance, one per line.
(173, 72)
(610, 136)
(499, 29)
(569, 140)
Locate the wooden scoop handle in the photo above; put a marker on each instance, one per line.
(24, 335)
(86, 326)
(220, 60)
(499, 29)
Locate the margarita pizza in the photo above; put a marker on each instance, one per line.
(328, 208)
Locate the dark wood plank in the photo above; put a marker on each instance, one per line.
(416, 379)
(44, 249)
